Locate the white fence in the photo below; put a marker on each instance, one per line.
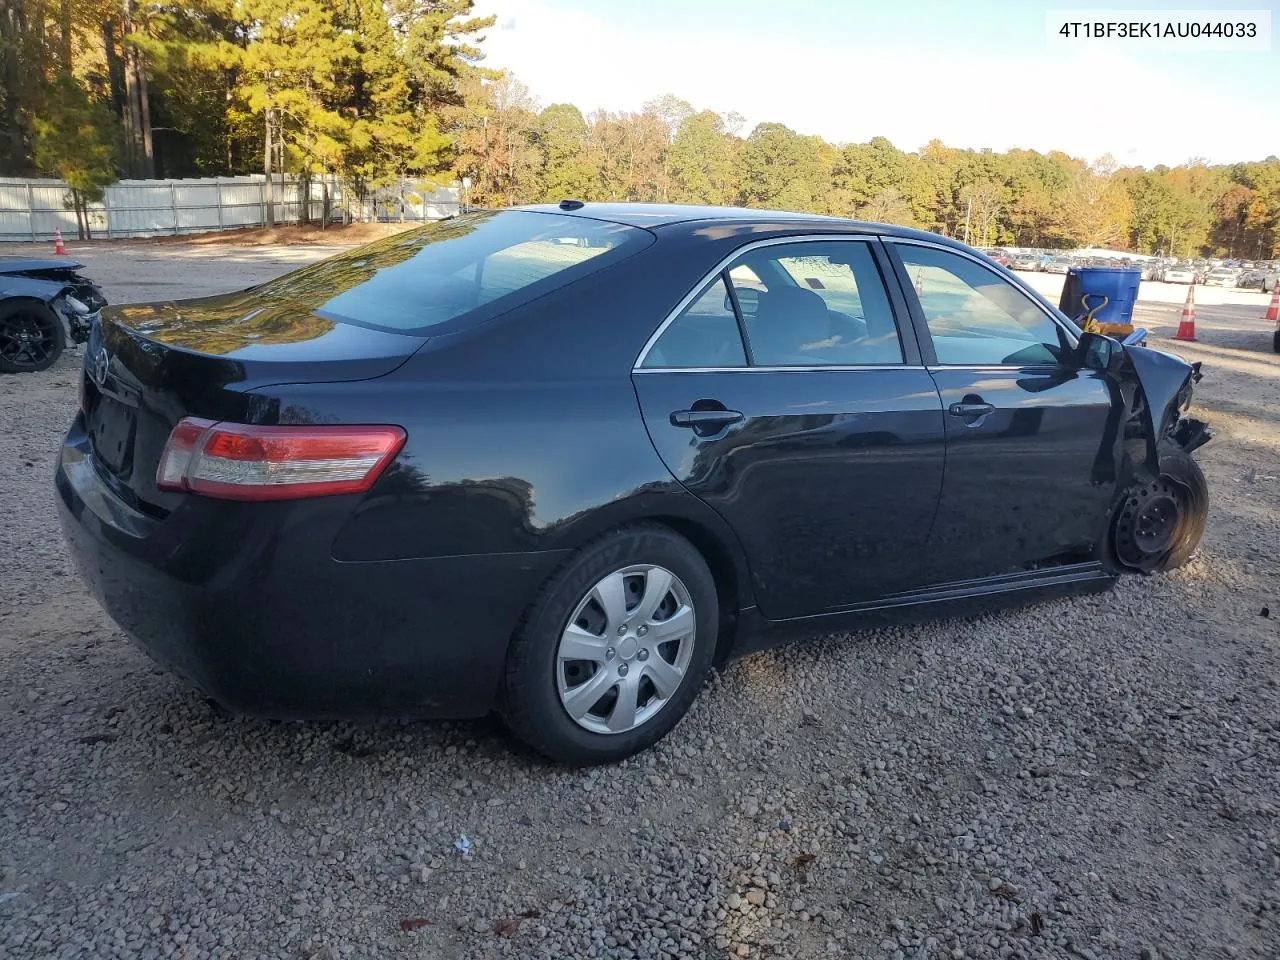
(34, 209)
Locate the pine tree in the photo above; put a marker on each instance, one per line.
(73, 139)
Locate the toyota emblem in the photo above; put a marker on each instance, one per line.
(98, 367)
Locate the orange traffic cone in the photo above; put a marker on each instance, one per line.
(1187, 325)
(919, 285)
(1273, 311)
(59, 248)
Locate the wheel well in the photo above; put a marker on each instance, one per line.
(21, 302)
(723, 571)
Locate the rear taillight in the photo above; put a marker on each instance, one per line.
(236, 461)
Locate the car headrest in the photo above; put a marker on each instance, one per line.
(789, 317)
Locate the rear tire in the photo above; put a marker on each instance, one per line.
(1145, 537)
(31, 336)
(628, 677)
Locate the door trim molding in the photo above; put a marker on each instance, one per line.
(796, 368)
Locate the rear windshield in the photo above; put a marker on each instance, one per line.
(474, 266)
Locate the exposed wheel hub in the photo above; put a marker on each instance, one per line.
(1156, 523)
(1148, 522)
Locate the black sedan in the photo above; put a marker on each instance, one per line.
(559, 460)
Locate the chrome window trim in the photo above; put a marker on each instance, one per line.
(794, 368)
(711, 274)
(1015, 282)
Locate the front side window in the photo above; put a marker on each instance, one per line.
(975, 316)
(817, 303)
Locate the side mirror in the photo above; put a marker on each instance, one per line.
(1098, 352)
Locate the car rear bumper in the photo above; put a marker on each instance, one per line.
(246, 602)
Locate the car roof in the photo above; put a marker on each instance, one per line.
(661, 214)
(667, 215)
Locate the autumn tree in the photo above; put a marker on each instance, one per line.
(493, 131)
(702, 160)
(983, 203)
(561, 138)
(779, 167)
(374, 92)
(863, 172)
(628, 152)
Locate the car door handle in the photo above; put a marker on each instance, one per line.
(971, 412)
(703, 419)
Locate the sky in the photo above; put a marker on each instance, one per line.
(972, 73)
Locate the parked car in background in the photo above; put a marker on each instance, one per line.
(1025, 261)
(44, 305)
(1221, 277)
(421, 478)
(1058, 265)
(1250, 277)
(999, 256)
(1180, 273)
(1270, 278)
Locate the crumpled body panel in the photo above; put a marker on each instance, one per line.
(15, 285)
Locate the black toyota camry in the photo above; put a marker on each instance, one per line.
(558, 460)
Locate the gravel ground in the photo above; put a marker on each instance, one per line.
(1087, 778)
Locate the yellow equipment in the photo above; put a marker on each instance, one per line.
(1089, 325)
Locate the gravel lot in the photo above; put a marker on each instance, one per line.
(1086, 778)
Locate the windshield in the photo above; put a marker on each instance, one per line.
(474, 266)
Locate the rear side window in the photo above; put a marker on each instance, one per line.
(467, 269)
(704, 335)
(815, 304)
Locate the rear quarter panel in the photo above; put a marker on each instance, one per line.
(523, 434)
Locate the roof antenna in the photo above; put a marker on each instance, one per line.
(571, 204)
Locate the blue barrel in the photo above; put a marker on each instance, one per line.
(1119, 286)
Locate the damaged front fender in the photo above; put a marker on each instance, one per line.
(59, 295)
(1158, 513)
(1165, 383)
(35, 289)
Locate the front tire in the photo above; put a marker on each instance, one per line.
(1159, 524)
(614, 650)
(31, 336)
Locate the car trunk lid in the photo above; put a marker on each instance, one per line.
(149, 365)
